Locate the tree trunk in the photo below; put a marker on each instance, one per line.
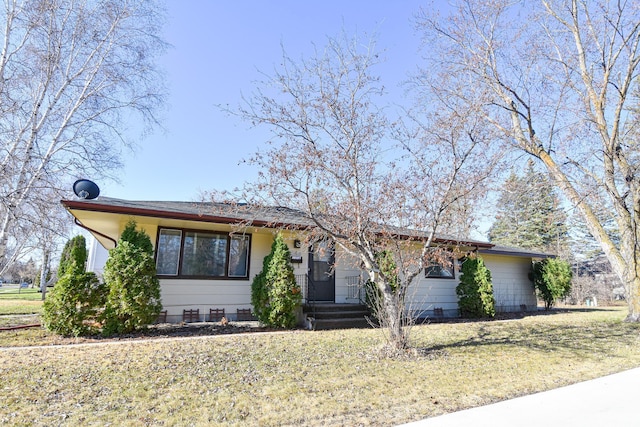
(43, 273)
(631, 280)
(625, 259)
(393, 312)
(633, 299)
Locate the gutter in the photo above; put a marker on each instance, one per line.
(92, 231)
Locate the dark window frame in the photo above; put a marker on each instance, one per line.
(434, 271)
(183, 234)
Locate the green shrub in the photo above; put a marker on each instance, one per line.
(475, 291)
(133, 299)
(73, 305)
(275, 295)
(74, 256)
(552, 280)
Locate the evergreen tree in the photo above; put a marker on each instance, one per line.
(275, 295)
(529, 215)
(475, 291)
(71, 308)
(133, 300)
(552, 280)
(74, 256)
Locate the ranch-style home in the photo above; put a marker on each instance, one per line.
(207, 255)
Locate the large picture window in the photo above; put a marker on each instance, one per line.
(437, 270)
(202, 254)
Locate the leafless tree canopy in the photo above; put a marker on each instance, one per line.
(359, 175)
(559, 81)
(70, 72)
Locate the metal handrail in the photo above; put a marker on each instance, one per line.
(311, 294)
(355, 288)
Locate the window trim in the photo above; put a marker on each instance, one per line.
(439, 265)
(183, 233)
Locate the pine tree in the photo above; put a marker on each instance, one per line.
(74, 256)
(529, 214)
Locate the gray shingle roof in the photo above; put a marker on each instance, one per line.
(266, 216)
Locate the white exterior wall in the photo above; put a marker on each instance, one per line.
(432, 293)
(511, 288)
(97, 257)
(511, 285)
(346, 269)
(180, 294)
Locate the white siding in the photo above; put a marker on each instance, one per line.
(431, 294)
(511, 285)
(346, 267)
(512, 288)
(97, 257)
(180, 294)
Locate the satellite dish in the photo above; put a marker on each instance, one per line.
(86, 189)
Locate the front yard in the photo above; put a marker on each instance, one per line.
(306, 378)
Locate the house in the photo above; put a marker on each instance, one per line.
(208, 253)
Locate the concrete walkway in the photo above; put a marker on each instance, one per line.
(608, 401)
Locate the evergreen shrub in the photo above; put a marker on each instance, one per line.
(72, 307)
(133, 299)
(552, 280)
(475, 290)
(275, 294)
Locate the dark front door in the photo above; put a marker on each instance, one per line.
(322, 281)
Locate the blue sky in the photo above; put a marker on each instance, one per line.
(218, 50)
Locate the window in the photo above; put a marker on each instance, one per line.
(440, 270)
(239, 256)
(202, 254)
(168, 252)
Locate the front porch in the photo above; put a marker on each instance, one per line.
(336, 316)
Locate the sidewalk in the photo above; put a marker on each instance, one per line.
(607, 401)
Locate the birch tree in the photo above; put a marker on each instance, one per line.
(334, 157)
(70, 72)
(559, 80)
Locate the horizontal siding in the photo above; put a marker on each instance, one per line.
(432, 293)
(186, 294)
(344, 269)
(511, 285)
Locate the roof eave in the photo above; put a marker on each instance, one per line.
(156, 213)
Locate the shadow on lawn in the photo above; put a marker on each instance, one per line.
(585, 340)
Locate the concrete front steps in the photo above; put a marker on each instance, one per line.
(336, 316)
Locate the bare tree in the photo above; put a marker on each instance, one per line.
(559, 80)
(333, 157)
(70, 72)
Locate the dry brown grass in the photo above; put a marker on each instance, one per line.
(310, 378)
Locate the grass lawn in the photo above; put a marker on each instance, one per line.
(307, 378)
(20, 301)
